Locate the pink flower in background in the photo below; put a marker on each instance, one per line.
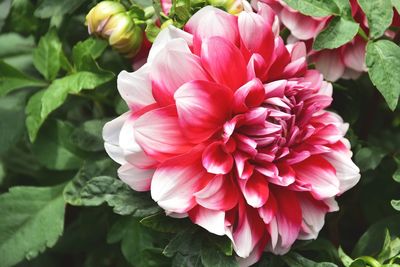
(347, 61)
(227, 126)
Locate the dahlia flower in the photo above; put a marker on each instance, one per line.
(347, 61)
(227, 126)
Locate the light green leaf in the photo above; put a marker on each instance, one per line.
(383, 61)
(345, 9)
(90, 47)
(315, 8)
(32, 219)
(44, 102)
(12, 79)
(151, 31)
(339, 32)
(47, 56)
(395, 204)
(296, 260)
(11, 120)
(346, 260)
(86, 190)
(379, 14)
(396, 4)
(50, 8)
(53, 150)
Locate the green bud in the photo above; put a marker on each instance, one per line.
(233, 7)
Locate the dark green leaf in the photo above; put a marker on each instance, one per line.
(12, 79)
(11, 120)
(338, 32)
(21, 18)
(16, 50)
(213, 257)
(163, 223)
(383, 61)
(53, 149)
(94, 191)
(44, 102)
(296, 260)
(185, 243)
(4, 10)
(379, 14)
(368, 158)
(88, 136)
(315, 8)
(186, 261)
(32, 219)
(47, 56)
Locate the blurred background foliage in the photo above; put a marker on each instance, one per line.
(60, 202)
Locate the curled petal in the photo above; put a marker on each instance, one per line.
(216, 159)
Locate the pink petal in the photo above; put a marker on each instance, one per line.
(174, 66)
(219, 194)
(248, 96)
(135, 88)
(203, 107)
(268, 210)
(320, 174)
(211, 220)
(329, 63)
(224, 62)
(255, 190)
(162, 137)
(211, 21)
(256, 34)
(111, 133)
(137, 179)
(216, 159)
(177, 180)
(354, 55)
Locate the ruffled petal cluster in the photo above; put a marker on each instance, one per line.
(227, 126)
(347, 61)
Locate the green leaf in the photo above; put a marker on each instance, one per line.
(368, 158)
(12, 79)
(88, 136)
(379, 14)
(32, 219)
(187, 261)
(90, 47)
(44, 102)
(50, 8)
(87, 190)
(151, 31)
(346, 260)
(345, 9)
(53, 150)
(339, 32)
(396, 4)
(211, 256)
(383, 61)
(296, 260)
(4, 10)
(47, 56)
(186, 242)
(16, 50)
(21, 18)
(11, 120)
(396, 175)
(395, 204)
(163, 223)
(315, 8)
(390, 248)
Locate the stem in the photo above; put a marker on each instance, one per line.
(362, 33)
(370, 261)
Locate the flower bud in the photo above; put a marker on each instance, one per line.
(110, 21)
(100, 14)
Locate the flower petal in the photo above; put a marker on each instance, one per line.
(211, 220)
(137, 179)
(216, 159)
(224, 62)
(203, 107)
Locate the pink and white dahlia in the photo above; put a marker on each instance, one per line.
(227, 126)
(347, 61)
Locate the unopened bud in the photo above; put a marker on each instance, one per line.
(233, 7)
(100, 14)
(111, 21)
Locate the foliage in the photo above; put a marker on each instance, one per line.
(61, 203)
